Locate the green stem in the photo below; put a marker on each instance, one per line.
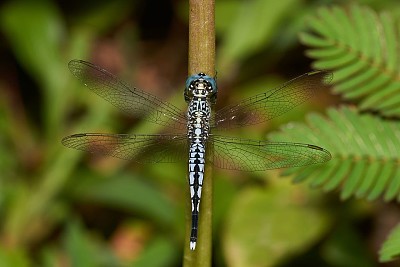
(201, 59)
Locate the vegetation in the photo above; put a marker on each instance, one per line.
(60, 207)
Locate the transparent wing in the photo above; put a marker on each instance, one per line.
(128, 99)
(251, 155)
(272, 103)
(140, 148)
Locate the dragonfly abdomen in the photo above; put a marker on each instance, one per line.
(198, 131)
(196, 177)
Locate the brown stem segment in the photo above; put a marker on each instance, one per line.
(202, 37)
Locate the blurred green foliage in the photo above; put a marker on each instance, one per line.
(62, 208)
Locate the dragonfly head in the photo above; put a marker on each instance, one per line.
(201, 85)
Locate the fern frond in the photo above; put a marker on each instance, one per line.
(365, 153)
(362, 48)
(390, 249)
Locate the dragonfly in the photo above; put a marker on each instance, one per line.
(191, 138)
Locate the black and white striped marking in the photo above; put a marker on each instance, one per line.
(198, 131)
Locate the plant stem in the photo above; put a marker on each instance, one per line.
(201, 59)
(202, 37)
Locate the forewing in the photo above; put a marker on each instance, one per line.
(140, 148)
(251, 155)
(272, 103)
(128, 99)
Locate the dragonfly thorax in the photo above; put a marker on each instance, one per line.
(201, 86)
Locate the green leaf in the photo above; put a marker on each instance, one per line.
(82, 250)
(225, 10)
(78, 248)
(48, 256)
(390, 249)
(160, 253)
(14, 258)
(365, 158)
(251, 28)
(129, 193)
(259, 230)
(35, 31)
(361, 47)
